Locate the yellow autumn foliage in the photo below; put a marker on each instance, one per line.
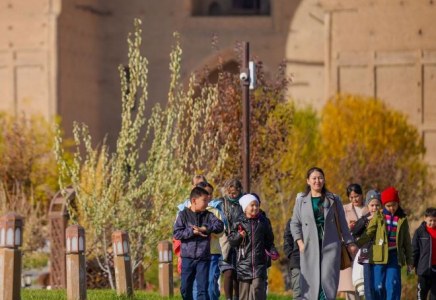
(365, 141)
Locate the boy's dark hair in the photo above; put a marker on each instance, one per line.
(197, 192)
(204, 185)
(430, 212)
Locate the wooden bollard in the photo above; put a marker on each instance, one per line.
(76, 262)
(166, 284)
(123, 265)
(11, 238)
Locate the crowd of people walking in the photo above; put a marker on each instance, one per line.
(357, 248)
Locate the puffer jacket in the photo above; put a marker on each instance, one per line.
(195, 246)
(252, 259)
(422, 251)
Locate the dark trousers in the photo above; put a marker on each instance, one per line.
(368, 281)
(197, 270)
(427, 284)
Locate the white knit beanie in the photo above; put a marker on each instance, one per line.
(247, 199)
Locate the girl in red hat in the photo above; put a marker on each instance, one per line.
(392, 246)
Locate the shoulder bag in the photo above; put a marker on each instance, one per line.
(345, 256)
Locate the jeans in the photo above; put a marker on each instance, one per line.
(197, 270)
(214, 276)
(368, 281)
(387, 279)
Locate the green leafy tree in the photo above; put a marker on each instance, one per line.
(118, 190)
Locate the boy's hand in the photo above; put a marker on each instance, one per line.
(197, 232)
(200, 230)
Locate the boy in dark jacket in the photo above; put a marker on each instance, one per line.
(253, 237)
(293, 253)
(424, 255)
(193, 227)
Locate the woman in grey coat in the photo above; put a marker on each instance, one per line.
(314, 228)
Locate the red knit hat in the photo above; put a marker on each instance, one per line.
(390, 195)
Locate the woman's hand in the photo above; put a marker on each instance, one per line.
(301, 245)
(352, 249)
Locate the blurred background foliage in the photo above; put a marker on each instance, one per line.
(355, 139)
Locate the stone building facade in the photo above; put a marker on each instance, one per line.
(62, 56)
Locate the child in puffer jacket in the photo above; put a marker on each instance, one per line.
(253, 237)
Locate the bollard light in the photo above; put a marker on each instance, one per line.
(165, 252)
(166, 280)
(75, 238)
(120, 242)
(11, 230)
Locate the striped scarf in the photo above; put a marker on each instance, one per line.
(391, 226)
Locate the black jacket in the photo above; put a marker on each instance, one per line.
(232, 211)
(252, 259)
(421, 250)
(291, 247)
(357, 230)
(194, 246)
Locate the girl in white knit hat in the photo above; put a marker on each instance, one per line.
(252, 235)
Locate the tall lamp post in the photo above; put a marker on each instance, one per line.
(248, 81)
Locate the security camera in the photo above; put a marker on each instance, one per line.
(243, 76)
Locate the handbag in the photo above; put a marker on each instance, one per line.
(345, 256)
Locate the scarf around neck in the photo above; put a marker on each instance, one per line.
(391, 227)
(234, 200)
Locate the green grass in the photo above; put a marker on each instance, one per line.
(108, 295)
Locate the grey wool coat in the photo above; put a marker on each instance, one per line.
(319, 266)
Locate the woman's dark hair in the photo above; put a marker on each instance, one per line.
(354, 187)
(323, 190)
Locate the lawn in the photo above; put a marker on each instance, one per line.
(108, 295)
